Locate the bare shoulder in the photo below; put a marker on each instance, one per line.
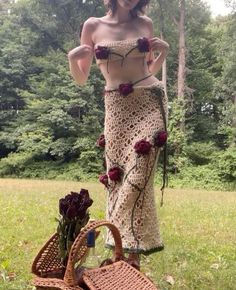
(147, 23)
(94, 25)
(89, 28)
(90, 24)
(145, 20)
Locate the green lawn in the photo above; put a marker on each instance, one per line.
(198, 228)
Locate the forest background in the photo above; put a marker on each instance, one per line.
(49, 125)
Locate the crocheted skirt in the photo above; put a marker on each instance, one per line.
(129, 119)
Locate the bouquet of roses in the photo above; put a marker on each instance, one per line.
(74, 215)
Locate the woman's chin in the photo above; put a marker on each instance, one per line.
(128, 5)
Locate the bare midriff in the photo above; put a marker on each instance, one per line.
(132, 70)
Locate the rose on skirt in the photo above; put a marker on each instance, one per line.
(160, 138)
(143, 44)
(126, 89)
(142, 147)
(101, 141)
(101, 52)
(104, 179)
(115, 174)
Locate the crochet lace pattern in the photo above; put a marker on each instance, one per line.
(131, 204)
(118, 50)
(134, 135)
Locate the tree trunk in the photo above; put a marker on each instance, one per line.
(162, 35)
(164, 71)
(182, 49)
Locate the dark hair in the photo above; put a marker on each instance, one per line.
(138, 9)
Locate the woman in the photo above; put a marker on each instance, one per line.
(124, 46)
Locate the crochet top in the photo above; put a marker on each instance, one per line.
(113, 50)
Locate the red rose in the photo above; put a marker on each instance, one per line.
(142, 147)
(143, 44)
(75, 205)
(101, 141)
(160, 138)
(125, 89)
(102, 52)
(115, 174)
(104, 179)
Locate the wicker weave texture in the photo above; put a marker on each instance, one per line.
(52, 284)
(118, 276)
(79, 244)
(48, 267)
(47, 260)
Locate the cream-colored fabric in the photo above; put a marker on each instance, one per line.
(129, 119)
(157, 83)
(120, 49)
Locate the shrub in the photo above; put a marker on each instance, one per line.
(200, 177)
(201, 153)
(226, 164)
(14, 163)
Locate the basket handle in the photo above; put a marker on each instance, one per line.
(69, 277)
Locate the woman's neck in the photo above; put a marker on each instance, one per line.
(121, 16)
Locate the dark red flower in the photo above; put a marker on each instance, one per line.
(75, 204)
(101, 52)
(142, 147)
(160, 138)
(84, 204)
(143, 44)
(115, 173)
(104, 179)
(126, 89)
(71, 212)
(63, 206)
(101, 141)
(83, 192)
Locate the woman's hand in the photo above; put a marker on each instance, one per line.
(159, 45)
(80, 52)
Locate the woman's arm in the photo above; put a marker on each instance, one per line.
(81, 57)
(159, 45)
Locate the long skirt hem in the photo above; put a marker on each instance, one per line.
(138, 251)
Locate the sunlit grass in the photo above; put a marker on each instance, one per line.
(198, 228)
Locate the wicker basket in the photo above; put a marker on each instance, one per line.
(117, 276)
(47, 262)
(120, 276)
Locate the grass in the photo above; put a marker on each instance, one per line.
(198, 228)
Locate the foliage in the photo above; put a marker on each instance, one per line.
(202, 176)
(46, 120)
(14, 163)
(200, 153)
(226, 164)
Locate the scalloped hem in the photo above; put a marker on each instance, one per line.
(157, 83)
(138, 251)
